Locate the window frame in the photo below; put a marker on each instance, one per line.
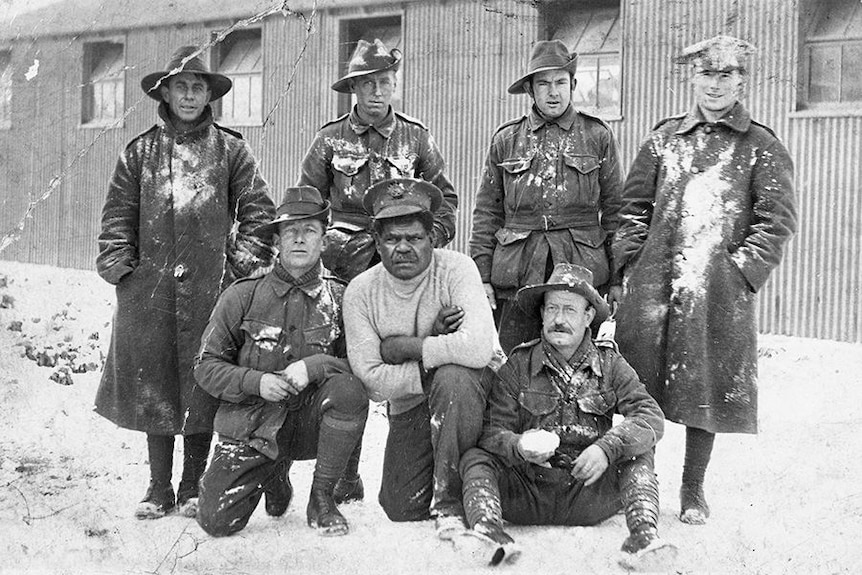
(347, 41)
(810, 14)
(89, 66)
(549, 31)
(217, 57)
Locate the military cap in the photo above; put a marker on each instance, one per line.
(719, 53)
(401, 196)
(368, 58)
(300, 203)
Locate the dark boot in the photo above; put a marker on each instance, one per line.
(698, 451)
(322, 512)
(484, 515)
(159, 499)
(349, 487)
(643, 550)
(278, 491)
(196, 449)
(335, 443)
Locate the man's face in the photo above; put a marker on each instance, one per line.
(186, 95)
(552, 92)
(565, 317)
(300, 245)
(716, 92)
(405, 249)
(374, 94)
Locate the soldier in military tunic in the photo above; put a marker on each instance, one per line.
(550, 193)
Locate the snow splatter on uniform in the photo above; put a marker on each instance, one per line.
(347, 157)
(177, 224)
(707, 209)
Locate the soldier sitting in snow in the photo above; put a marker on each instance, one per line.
(272, 352)
(549, 452)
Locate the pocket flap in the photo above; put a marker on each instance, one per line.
(516, 165)
(348, 165)
(403, 165)
(264, 335)
(583, 164)
(539, 402)
(319, 335)
(506, 236)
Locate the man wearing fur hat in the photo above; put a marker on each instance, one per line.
(550, 453)
(549, 193)
(177, 227)
(370, 144)
(419, 334)
(707, 209)
(274, 354)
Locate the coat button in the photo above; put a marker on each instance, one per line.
(180, 272)
(708, 129)
(695, 169)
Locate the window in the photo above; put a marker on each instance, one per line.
(103, 86)
(240, 58)
(5, 89)
(831, 32)
(593, 30)
(388, 30)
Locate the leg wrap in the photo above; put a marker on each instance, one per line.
(639, 491)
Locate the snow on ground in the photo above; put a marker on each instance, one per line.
(786, 501)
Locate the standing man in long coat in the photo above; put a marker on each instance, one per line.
(707, 209)
(549, 194)
(176, 229)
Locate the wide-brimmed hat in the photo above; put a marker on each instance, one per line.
(565, 277)
(368, 58)
(719, 53)
(401, 196)
(300, 203)
(546, 55)
(185, 59)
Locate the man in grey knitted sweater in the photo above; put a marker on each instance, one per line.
(419, 336)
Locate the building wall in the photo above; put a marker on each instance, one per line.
(459, 58)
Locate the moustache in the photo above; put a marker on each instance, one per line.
(560, 328)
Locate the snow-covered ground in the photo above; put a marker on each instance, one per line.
(786, 501)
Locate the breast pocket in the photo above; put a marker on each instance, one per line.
(319, 339)
(539, 402)
(344, 169)
(596, 401)
(401, 167)
(582, 178)
(515, 169)
(263, 348)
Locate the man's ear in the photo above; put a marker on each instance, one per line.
(591, 311)
(528, 86)
(163, 90)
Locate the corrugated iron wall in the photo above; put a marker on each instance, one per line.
(459, 58)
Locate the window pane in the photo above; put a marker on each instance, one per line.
(5, 89)
(586, 90)
(609, 82)
(823, 83)
(851, 73)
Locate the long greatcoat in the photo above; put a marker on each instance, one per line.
(707, 209)
(177, 205)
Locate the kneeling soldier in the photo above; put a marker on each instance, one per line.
(273, 352)
(549, 452)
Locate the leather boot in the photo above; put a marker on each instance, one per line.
(349, 487)
(322, 512)
(196, 449)
(278, 491)
(158, 502)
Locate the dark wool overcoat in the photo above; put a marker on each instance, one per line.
(707, 209)
(177, 204)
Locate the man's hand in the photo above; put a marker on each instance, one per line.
(590, 464)
(398, 349)
(448, 320)
(538, 445)
(296, 375)
(489, 293)
(274, 388)
(615, 297)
